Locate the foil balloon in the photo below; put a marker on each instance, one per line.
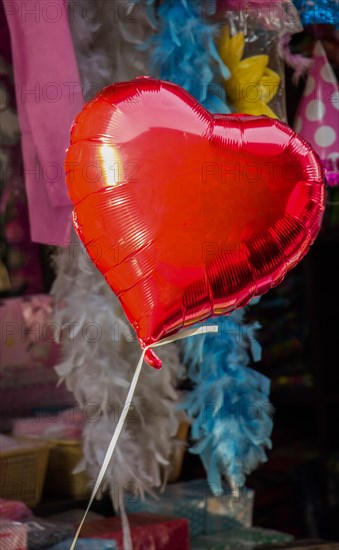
(186, 214)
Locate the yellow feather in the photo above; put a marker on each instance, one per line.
(269, 84)
(231, 49)
(250, 69)
(256, 108)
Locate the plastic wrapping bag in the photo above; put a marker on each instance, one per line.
(205, 512)
(247, 539)
(248, 43)
(14, 510)
(148, 531)
(42, 534)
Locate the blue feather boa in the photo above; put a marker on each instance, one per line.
(321, 11)
(228, 407)
(183, 51)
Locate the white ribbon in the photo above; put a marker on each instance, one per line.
(184, 334)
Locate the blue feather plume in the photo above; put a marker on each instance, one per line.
(183, 51)
(228, 407)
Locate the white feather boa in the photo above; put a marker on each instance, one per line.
(100, 354)
(106, 42)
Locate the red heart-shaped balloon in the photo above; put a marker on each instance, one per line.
(188, 215)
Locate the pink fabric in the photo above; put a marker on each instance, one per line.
(49, 95)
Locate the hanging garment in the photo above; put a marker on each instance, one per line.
(49, 95)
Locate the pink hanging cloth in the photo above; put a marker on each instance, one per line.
(49, 95)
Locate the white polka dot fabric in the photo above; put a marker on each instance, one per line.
(317, 118)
